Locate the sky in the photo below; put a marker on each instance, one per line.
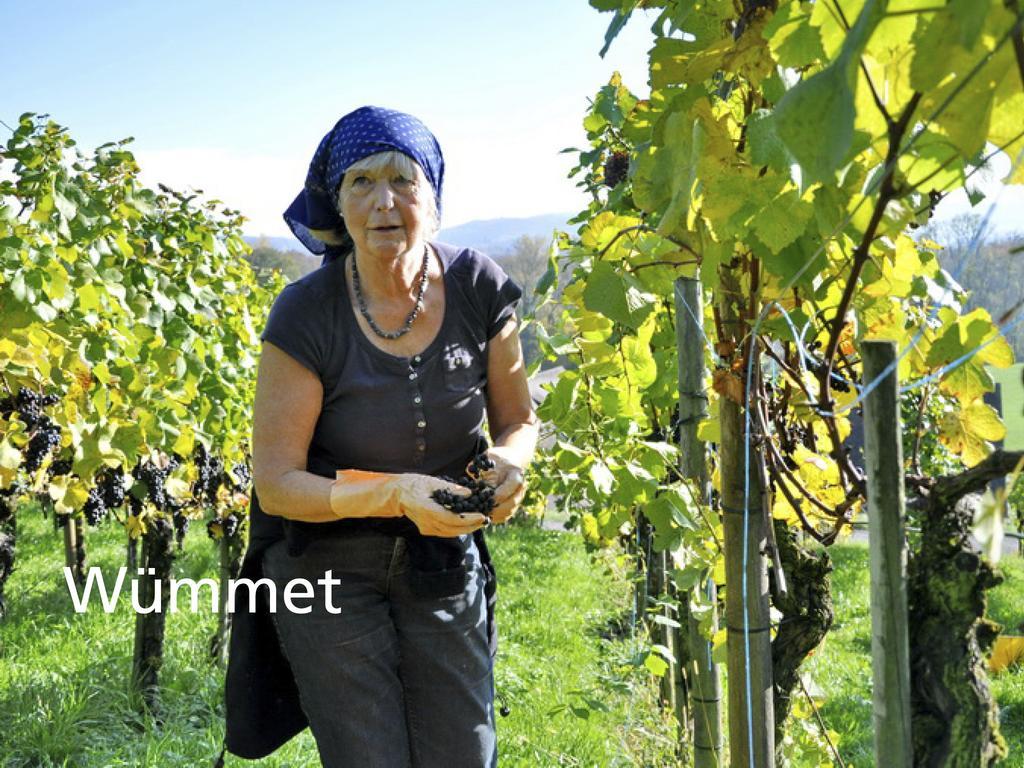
(233, 97)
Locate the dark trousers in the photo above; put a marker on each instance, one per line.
(394, 679)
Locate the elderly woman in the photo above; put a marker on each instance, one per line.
(376, 374)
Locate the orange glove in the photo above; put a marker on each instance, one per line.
(358, 493)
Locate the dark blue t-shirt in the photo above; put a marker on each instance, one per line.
(386, 413)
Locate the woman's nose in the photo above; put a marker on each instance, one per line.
(383, 195)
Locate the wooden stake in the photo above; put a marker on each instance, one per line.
(701, 672)
(890, 645)
(751, 705)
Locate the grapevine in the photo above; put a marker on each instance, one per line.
(782, 157)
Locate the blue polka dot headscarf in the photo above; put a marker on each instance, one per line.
(359, 134)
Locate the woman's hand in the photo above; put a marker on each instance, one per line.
(358, 493)
(413, 493)
(509, 480)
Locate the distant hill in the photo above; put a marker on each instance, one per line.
(497, 235)
(493, 236)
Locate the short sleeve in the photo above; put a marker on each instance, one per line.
(296, 326)
(499, 295)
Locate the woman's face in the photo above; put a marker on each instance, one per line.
(385, 212)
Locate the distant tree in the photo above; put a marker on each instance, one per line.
(526, 262)
(292, 264)
(990, 268)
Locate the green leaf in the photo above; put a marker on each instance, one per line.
(764, 144)
(815, 118)
(618, 297)
(550, 276)
(640, 365)
(793, 41)
(789, 262)
(656, 665)
(66, 208)
(782, 221)
(815, 121)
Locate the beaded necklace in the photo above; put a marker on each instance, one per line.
(412, 315)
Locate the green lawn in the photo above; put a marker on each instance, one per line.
(64, 699)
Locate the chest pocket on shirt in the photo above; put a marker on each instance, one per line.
(461, 368)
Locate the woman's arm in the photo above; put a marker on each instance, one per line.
(510, 416)
(288, 400)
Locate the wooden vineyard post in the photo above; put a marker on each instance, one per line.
(701, 672)
(150, 624)
(70, 549)
(749, 657)
(890, 644)
(74, 547)
(231, 551)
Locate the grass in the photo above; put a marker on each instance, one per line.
(842, 666)
(577, 698)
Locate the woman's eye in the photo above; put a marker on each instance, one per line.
(401, 181)
(359, 181)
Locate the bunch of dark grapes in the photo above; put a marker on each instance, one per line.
(45, 440)
(616, 168)
(107, 493)
(94, 510)
(211, 471)
(112, 488)
(481, 499)
(241, 477)
(181, 523)
(61, 467)
(228, 527)
(837, 381)
(29, 405)
(154, 478)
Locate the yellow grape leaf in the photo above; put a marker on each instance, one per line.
(783, 510)
(136, 526)
(593, 322)
(718, 571)
(1007, 652)
(967, 382)
(793, 41)
(10, 460)
(602, 232)
(966, 431)
(74, 497)
(10, 456)
(177, 488)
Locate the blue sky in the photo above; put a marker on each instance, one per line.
(233, 97)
